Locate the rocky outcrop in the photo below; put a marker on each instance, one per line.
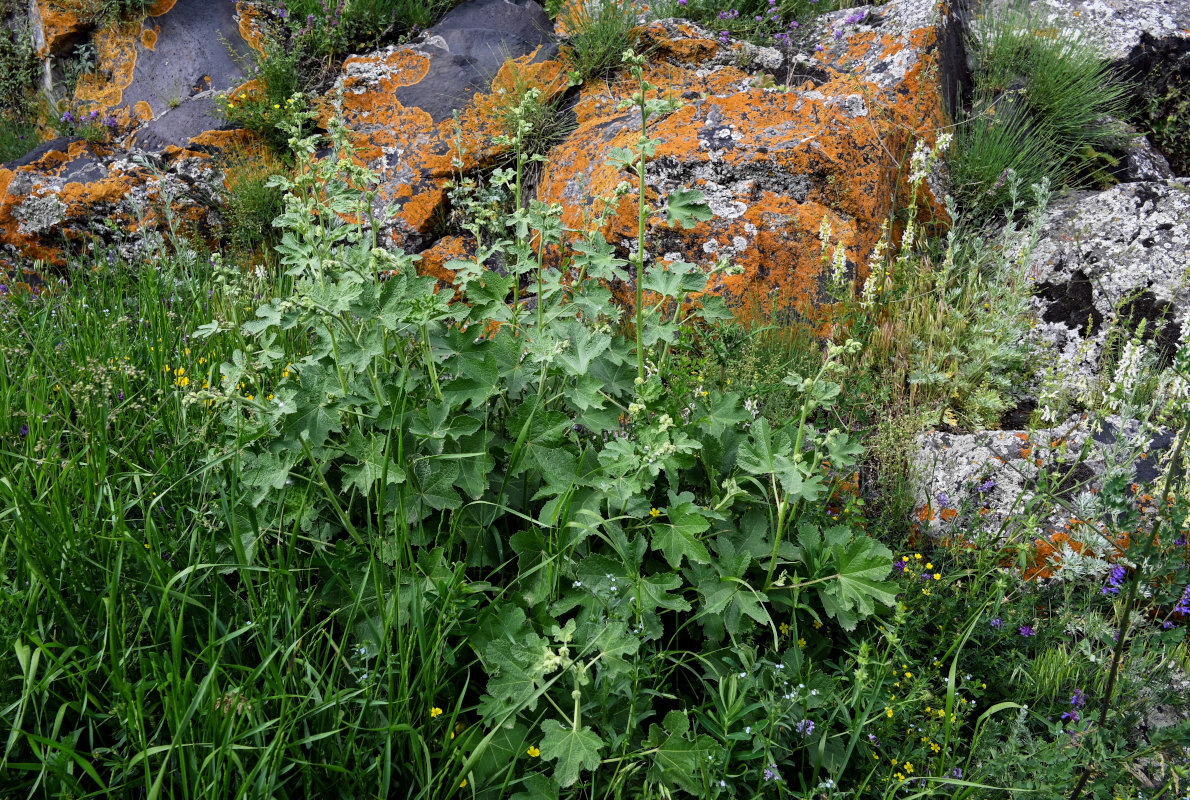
(156, 129)
(1110, 258)
(402, 103)
(775, 162)
(1029, 486)
(1116, 27)
(68, 192)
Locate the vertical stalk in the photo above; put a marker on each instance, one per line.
(1130, 604)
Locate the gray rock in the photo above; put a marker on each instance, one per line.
(1002, 481)
(1108, 257)
(1142, 162)
(467, 48)
(1115, 26)
(197, 48)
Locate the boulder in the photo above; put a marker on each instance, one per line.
(182, 49)
(1108, 258)
(1116, 27)
(68, 191)
(1001, 485)
(775, 162)
(401, 104)
(156, 83)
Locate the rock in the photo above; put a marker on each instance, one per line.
(68, 191)
(400, 103)
(991, 482)
(181, 49)
(159, 78)
(1116, 27)
(1160, 68)
(1105, 258)
(56, 28)
(773, 163)
(1142, 162)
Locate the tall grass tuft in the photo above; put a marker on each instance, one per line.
(1041, 106)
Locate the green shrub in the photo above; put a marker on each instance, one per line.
(19, 69)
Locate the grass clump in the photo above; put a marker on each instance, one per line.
(759, 21)
(1041, 107)
(600, 33)
(332, 28)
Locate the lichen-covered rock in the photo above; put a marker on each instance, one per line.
(1001, 485)
(773, 162)
(1106, 255)
(1142, 162)
(182, 49)
(55, 26)
(1115, 26)
(157, 80)
(67, 192)
(402, 102)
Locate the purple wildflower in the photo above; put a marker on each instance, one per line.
(957, 772)
(1114, 579)
(986, 486)
(805, 727)
(899, 566)
(943, 499)
(1078, 699)
(770, 773)
(1027, 631)
(24, 431)
(1183, 606)
(66, 117)
(996, 624)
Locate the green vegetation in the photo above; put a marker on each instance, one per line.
(17, 137)
(1040, 107)
(321, 527)
(331, 28)
(762, 22)
(599, 35)
(18, 73)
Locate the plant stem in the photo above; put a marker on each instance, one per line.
(1130, 603)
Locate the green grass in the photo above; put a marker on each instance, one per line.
(599, 35)
(16, 138)
(740, 17)
(1038, 108)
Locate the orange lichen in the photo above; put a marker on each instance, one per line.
(60, 25)
(251, 29)
(841, 143)
(115, 46)
(148, 38)
(415, 155)
(433, 261)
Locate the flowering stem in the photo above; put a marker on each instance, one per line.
(1130, 603)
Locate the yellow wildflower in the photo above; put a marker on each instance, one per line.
(533, 752)
(435, 712)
